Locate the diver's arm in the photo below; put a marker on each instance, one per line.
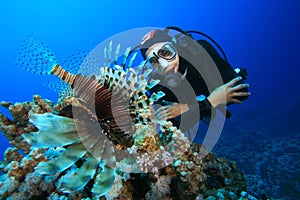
(196, 112)
(229, 93)
(219, 98)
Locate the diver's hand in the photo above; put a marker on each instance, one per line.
(171, 110)
(227, 93)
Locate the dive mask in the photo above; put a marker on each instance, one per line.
(161, 58)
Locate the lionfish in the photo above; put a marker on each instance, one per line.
(105, 108)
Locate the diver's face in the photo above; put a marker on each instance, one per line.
(163, 57)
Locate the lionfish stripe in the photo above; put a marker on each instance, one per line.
(103, 104)
(92, 140)
(104, 181)
(121, 82)
(109, 52)
(108, 155)
(115, 80)
(153, 82)
(53, 131)
(63, 74)
(104, 55)
(117, 51)
(130, 87)
(87, 88)
(103, 149)
(126, 54)
(155, 96)
(131, 60)
(73, 153)
(121, 115)
(81, 177)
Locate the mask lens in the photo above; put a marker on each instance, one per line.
(167, 52)
(152, 63)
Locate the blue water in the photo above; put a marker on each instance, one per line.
(263, 36)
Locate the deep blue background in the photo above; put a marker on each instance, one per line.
(261, 35)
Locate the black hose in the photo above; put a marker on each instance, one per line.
(211, 39)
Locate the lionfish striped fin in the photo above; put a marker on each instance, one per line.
(86, 88)
(155, 96)
(53, 131)
(145, 74)
(132, 60)
(66, 76)
(152, 83)
(108, 75)
(122, 82)
(133, 88)
(69, 156)
(103, 150)
(126, 54)
(119, 81)
(35, 57)
(80, 177)
(117, 51)
(109, 53)
(104, 56)
(88, 135)
(142, 82)
(114, 79)
(139, 69)
(131, 84)
(104, 181)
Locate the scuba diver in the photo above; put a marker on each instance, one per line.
(196, 80)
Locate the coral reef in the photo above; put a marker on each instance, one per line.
(271, 165)
(183, 172)
(101, 141)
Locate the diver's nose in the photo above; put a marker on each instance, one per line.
(163, 63)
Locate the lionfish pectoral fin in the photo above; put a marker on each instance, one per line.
(103, 151)
(54, 131)
(81, 177)
(76, 103)
(104, 181)
(72, 154)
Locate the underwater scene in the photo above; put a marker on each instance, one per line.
(149, 100)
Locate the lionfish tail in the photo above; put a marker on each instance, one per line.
(35, 57)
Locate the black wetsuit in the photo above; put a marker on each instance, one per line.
(202, 67)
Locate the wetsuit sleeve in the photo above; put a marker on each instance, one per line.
(202, 110)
